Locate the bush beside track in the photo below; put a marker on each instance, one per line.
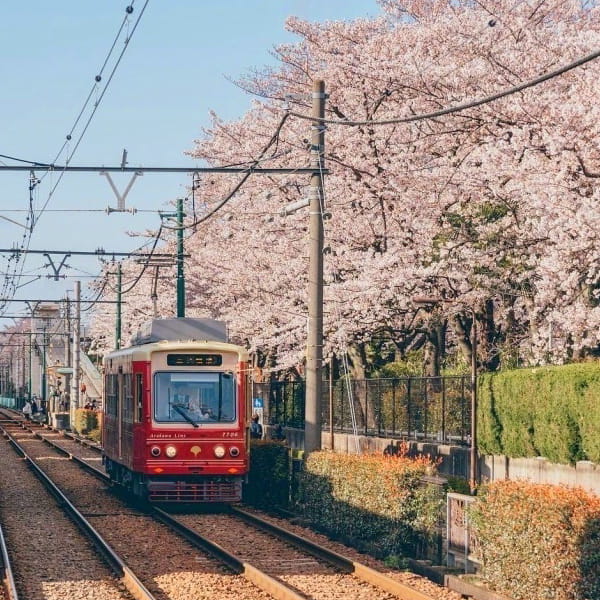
(539, 541)
(269, 479)
(378, 504)
(88, 423)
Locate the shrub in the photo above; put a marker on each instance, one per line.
(268, 483)
(377, 503)
(539, 541)
(85, 420)
(550, 411)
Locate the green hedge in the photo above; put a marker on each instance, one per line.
(86, 421)
(538, 541)
(378, 504)
(545, 411)
(268, 483)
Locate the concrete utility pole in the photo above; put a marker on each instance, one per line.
(314, 351)
(76, 351)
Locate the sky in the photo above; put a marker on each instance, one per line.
(178, 66)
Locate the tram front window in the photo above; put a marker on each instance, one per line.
(195, 398)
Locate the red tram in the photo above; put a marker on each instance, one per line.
(176, 413)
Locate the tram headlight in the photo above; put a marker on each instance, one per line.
(171, 451)
(155, 451)
(219, 451)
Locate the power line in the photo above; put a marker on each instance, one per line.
(460, 107)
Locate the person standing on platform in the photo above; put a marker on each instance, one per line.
(27, 411)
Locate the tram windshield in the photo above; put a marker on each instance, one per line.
(197, 398)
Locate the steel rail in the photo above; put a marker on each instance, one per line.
(8, 578)
(361, 571)
(269, 584)
(135, 587)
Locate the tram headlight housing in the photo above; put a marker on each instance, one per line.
(171, 451)
(234, 451)
(219, 451)
(155, 451)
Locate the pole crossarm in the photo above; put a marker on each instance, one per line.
(99, 252)
(97, 169)
(57, 301)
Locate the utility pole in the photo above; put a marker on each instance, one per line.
(118, 323)
(314, 350)
(180, 276)
(76, 357)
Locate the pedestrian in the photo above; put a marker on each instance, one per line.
(255, 428)
(27, 411)
(34, 407)
(278, 432)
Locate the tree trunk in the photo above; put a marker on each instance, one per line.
(435, 348)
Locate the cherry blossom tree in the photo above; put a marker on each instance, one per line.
(493, 209)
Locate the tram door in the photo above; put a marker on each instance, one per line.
(120, 392)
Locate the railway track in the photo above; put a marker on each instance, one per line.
(48, 553)
(281, 565)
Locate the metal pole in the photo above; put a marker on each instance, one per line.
(23, 369)
(30, 351)
(314, 351)
(473, 453)
(180, 276)
(118, 321)
(331, 400)
(44, 376)
(76, 357)
(68, 361)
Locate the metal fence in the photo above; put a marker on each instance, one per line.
(421, 408)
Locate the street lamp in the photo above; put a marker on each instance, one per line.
(473, 459)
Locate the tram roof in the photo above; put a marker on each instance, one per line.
(144, 351)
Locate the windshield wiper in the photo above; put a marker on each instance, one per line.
(180, 409)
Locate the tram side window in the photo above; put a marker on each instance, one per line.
(139, 397)
(111, 394)
(128, 408)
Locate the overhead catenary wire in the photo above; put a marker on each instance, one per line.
(273, 140)
(34, 218)
(96, 105)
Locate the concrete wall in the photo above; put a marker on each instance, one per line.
(454, 460)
